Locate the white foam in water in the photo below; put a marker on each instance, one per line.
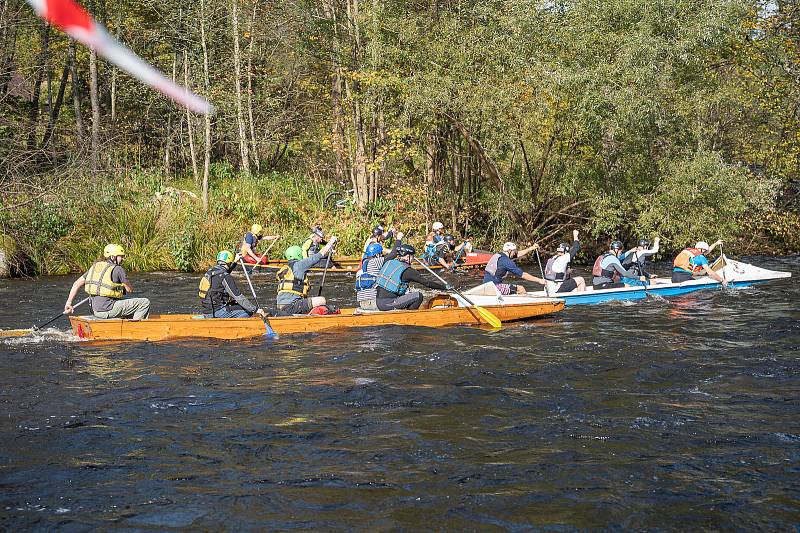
(45, 335)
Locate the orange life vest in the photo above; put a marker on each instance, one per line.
(684, 260)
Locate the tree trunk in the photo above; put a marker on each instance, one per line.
(55, 110)
(168, 143)
(189, 120)
(95, 102)
(237, 60)
(76, 92)
(337, 113)
(254, 146)
(33, 114)
(206, 86)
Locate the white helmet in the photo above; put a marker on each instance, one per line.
(509, 247)
(702, 245)
(437, 226)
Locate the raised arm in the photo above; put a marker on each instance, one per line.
(527, 250)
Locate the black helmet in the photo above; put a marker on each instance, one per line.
(377, 231)
(406, 249)
(316, 230)
(449, 238)
(616, 245)
(644, 243)
(563, 247)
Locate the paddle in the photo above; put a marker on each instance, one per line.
(485, 313)
(270, 332)
(539, 259)
(22, 332)
(325, 272)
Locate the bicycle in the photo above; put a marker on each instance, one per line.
(340, 199)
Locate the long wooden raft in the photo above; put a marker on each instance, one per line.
(350, 264)
(162, 327)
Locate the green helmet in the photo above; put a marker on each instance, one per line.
(225, 257)
(293, 253)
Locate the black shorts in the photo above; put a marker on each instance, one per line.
(567, 286)
(301, 306)
(680, 277)
(609, 285)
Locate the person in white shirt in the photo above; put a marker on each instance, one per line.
(558, 273)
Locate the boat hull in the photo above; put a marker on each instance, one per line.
(165, 327)
(350, 264)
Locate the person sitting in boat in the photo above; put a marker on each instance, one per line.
(691, 263)
(635, 260)
(367, 275)
(219, 294)
(503, 263)
(379, 235)
(558, 272)
(393, 280)
(106, 282)
(247, 247)
(448, 254)
(433, 238)
(293, 284)
(608, 271)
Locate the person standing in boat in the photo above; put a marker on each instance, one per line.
(558, 273)
(106, 282)
(293, 283)
(367, 275)
(393, 280)
(635, 260)
(608, 271)
(691, 263)
(219, 294)
(503, 263)
(247, 247)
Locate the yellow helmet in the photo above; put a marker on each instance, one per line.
(256, 229)
(113, 250)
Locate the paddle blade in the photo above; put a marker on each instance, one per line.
(489, 317)
(15, 332)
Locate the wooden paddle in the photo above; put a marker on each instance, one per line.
(270, 332)
(34, 329)
(485, 313)
(325, 272)
(539, 259)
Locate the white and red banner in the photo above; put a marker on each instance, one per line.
(78, 24)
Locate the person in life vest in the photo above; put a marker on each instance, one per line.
(503, 263)
(379, 235)
(367, 275)
(314, 243)
(447, 253)
(691, 263)
(219, 294)
(608, 271)
(433, 238)
(247, 248)
(393, 280)
(558, 273)
(107, 283)
(293, 284)
(635, 260)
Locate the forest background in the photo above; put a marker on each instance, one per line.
(504, 119)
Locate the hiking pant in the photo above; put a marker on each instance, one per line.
(135, 308)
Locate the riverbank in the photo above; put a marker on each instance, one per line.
(162, 225)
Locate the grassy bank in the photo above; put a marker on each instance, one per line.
(162, 225)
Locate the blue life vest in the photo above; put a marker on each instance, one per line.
(390, 276)
(430, 248)
(364, 279)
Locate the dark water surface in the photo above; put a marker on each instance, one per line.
(658, 414)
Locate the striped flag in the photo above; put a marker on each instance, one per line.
(78, 24)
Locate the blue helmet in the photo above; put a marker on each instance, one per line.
(373, 250)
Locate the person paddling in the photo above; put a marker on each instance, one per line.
(379, 235)
(293, 283)
(367, 275)
(219, 294)
(558, 272)
(608, 271)
(502, 264)
(106, 283)
(247, 247)
(691, 263)
(635, 260)
(393, 280)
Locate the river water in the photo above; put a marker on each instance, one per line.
(659, 414)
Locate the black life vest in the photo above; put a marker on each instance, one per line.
(212, 293)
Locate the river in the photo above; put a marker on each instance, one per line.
(681, 413)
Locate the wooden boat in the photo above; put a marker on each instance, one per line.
(737, 274)
(443, 310)
(350, 264)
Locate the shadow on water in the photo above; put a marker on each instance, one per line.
(677, 413)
